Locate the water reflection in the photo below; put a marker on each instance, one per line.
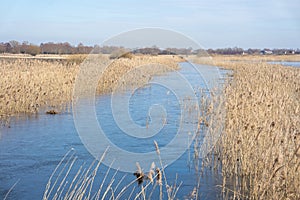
(287, 63)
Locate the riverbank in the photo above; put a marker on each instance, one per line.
(256, 58)
(259, 148)
(29, 84)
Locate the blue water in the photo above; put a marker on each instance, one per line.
(287, 63)
(32, 146)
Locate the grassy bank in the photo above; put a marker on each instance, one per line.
(256, 58)
(29, 84)
(260, 146)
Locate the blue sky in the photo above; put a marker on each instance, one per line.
(213, 24)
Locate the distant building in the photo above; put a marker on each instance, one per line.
(284, 51)
(289, 52)
(266, 52)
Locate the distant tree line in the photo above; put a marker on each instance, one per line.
(66, 48)
(16, 47)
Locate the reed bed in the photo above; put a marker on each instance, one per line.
(135, 72)
(29, 85)
(256, 58)
(227, 60)
(26, 85)
(83, 183)
(259, 149)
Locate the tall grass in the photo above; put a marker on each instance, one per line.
(27, 85)
(259, 149)
(62, 184)
(255, 58)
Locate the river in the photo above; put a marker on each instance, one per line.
(32, 146)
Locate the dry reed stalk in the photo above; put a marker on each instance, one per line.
(260, 145)
(29, 85)
(81, 186)
(243, 58)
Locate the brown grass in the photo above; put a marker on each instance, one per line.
(63, 185)
(260, 146)
(27, 85)
(135, 76)
(257, 58)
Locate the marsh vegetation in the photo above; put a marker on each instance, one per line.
(29, 84)
(256, 116)
(259, 149)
